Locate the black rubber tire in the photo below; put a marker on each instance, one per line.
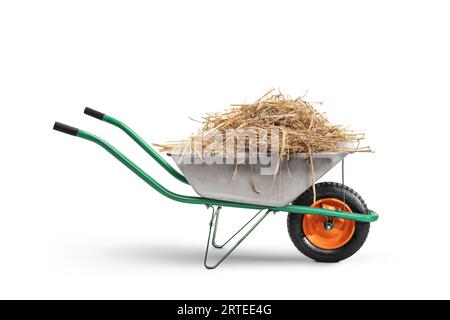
(328, 190)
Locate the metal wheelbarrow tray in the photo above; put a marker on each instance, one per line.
(329, 230)
(233, 182)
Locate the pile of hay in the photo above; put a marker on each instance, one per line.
(302, 129)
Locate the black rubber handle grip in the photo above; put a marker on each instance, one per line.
(65, 128)
(94, 113)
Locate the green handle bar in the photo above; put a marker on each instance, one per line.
(371, 216)
(133, 135)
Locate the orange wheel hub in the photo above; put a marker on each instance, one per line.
(328, 233)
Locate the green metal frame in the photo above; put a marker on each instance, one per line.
(370, 216)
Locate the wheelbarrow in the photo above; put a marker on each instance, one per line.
(327, 222)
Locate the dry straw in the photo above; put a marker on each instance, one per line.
(301, 128)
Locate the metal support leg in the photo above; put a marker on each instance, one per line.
(216, 224)
(343, 177)
(213, 223)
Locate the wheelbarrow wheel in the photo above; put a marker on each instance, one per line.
(328, 239)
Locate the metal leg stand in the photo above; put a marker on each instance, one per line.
(343, 176)
(214, 223)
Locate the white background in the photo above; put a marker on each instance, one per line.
(75, 223)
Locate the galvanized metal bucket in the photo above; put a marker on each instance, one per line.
(247, 183)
